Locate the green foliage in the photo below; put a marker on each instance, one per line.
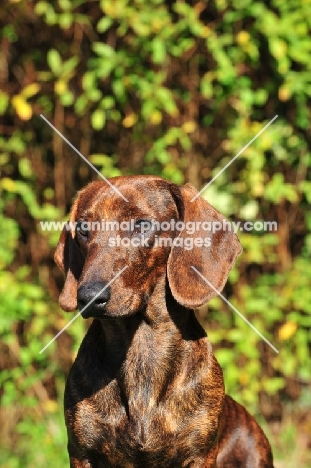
(164, 88)
(275, 303)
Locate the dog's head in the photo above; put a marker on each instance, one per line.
(114, 252)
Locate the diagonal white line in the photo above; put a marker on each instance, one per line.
(80, 312)
(233, 159)
(235, 309)
(84, 158)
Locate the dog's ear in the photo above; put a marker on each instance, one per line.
(69, 259)
(214, 259)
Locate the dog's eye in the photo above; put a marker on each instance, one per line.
(83, 230)
(142, 226)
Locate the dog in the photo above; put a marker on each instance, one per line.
(145, 390)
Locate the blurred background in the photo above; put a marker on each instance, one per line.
(176, 89)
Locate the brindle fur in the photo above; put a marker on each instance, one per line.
(145, 389)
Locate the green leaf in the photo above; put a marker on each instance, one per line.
(25, 168)
(54, 61)
(67, 98)
(104, 50)
(98, 119)
(65, 20)
(89, 80)
(65, 4)
(41, 7)
(158, 50)
(104, 24)
(69, 65)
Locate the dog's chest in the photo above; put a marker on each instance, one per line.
(125, 433)
(109, 417)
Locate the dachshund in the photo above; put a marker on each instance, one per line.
(145, 390)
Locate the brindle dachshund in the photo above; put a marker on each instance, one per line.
(145, 390)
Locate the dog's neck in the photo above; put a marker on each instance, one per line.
(145, 373)
(161, 321)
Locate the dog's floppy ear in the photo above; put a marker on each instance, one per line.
(213, 260)
(69, 259)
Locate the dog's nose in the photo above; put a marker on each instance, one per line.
(93, 297)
